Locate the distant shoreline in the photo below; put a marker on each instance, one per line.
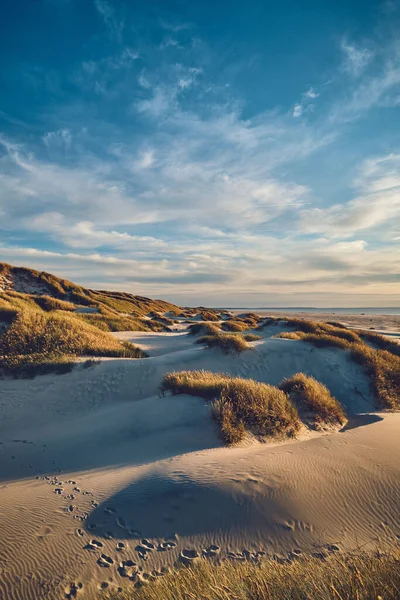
(390, 310)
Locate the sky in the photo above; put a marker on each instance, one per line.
(223, 153)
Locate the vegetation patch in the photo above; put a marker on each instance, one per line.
(36, 342)
(204, 329)
(251, 337)
(382, 366)
(207, 315)
(338, 577)
(240, 404)
(228, 343)
(308, 393)
(287, 335)
(382, 342)
(234, 325)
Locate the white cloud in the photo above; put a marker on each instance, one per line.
(377, 203)
(297, 111)
(145, 160)
(355, 59)
(311, 93)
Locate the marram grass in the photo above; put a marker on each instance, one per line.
(339, 577)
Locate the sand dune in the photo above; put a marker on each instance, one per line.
(99, 474)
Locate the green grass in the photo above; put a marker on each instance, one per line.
(339, 577)
(240, 404)
(228, 343)
(308, 393)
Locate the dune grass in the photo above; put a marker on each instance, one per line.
(308, 393)
(382, 342)
(235, 325)
(208, 315)
(204, 328)
(287, 335)
(116, 322)
(339, 577)
(250, 337)
(228, 343)
(37, 342)
(240, 404)
(382, 366)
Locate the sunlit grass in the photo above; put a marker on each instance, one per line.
(240, 404)
(338, 577)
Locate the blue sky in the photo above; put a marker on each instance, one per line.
(227, 153)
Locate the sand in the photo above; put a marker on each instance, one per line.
(97, 471)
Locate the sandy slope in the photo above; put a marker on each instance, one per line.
(134, 465)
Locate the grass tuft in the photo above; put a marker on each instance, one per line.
(228, 343)
(307, 392)
(243, 404)
(235, 325)
(204, 329)
(338, 577)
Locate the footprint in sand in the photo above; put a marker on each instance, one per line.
(58, 491)
(93, 545)
(72, 589)
(110, 510)
(121, 546)
(121, 523)
(135, 533)
(333, 548)
(211, 551)
(188, 556)
(105, 561)
(164, 546)
(128, 568)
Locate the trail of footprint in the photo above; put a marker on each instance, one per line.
(105, 561)
(72, 589)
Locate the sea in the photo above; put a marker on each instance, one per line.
(387, 310)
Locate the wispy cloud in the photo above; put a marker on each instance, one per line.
(356, 59)
(113, 22)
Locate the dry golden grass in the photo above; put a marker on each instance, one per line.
(228, 343)
(37, 342)
(34, 332)
(204, 329)
(242, 404)
(382, 342)
(234, 325)
(382, 366)
(66, 290)
(49, 303)
(250, 337)
(308, 393)
(116, 322)
(207, 315)
(339, 577)
(287, 335)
